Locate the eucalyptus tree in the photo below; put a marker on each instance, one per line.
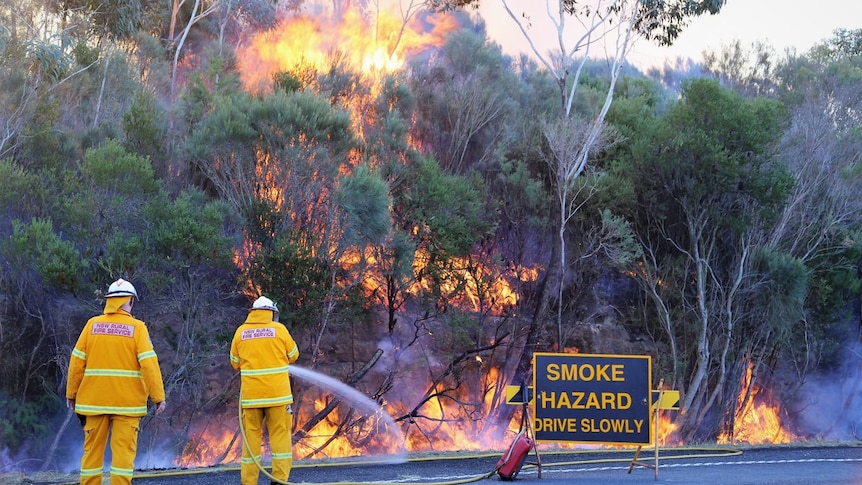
(429, 273)
(820, 225)
(574, 137)
(708, 185)
(33, 60)
(282, 161)
(102, 31)
(109, 218)
(200, 9)
(386, 108)
(445, 218)
(478, 119)
(69, 56)
(748, 70)
(465, 102)
(387, 148)
(822, 147)
(233, 15)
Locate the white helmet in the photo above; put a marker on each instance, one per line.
(264, 303)
(121, 287)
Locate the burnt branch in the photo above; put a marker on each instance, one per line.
(323, 413)
(432, 391)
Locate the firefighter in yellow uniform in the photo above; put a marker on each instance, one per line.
(261, 350)
(112, 371)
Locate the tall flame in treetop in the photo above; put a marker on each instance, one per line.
(377, 42)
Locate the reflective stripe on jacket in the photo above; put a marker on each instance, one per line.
(113, 367)
(261, 351)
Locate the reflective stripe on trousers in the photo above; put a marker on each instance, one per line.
(278, 424)
(124, 445)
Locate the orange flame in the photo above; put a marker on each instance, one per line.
(483, 287)
(446, 424)
(758, 417)
(209, 447)
(378, 45)
(667, 431)
(442, 427)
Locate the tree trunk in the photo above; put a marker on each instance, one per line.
(698, 379)
(53, 449)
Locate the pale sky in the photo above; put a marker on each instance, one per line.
(780, 23)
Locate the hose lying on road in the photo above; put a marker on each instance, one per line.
(689, 454)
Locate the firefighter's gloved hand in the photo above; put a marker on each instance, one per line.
(161, 407)
(70, 403)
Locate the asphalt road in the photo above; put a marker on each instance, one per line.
(797, 465)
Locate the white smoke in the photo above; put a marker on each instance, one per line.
(830, 406)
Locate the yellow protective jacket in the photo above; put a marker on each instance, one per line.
(113, 367)
(261, 351)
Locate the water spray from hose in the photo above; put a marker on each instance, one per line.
(351, 396)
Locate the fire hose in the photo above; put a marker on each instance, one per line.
(709, 453)
(705, 453)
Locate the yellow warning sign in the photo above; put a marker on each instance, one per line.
(515, 394)
(665, 399)
(592, 398)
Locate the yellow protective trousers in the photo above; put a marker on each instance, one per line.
(124, 445)
(279, 422)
